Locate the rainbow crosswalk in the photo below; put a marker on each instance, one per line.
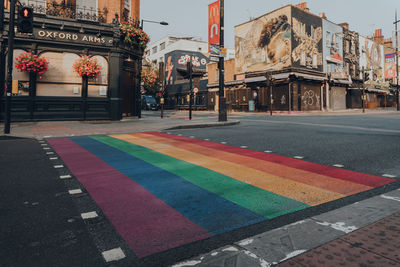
(161, 191)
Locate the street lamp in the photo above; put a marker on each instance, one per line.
(139, 99)
(152, 21)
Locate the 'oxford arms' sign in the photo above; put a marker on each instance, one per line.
(83, 38)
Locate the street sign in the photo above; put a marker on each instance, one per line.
(214, 59)
(196, 90)
(223, 51)
(214, 49)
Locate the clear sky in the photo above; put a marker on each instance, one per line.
(190, 17)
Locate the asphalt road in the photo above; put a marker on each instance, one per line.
(368, 144)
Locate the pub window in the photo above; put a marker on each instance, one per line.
(347, 46)
(60, 79)
(98, 87)
(22, 77)
(154, 50)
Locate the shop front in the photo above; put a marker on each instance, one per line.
(62, 93)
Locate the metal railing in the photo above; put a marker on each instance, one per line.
(65, 10)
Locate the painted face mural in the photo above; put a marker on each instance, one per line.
(264, 43)
(275, 39)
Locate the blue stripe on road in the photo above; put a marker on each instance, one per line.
(208, 210)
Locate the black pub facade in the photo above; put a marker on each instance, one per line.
(61, 94)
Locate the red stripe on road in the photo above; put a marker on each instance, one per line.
(351, 176)
(147, 224)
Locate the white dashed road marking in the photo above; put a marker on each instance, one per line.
(268, 151)
(53, 158)
(50, 153)
(338, 165)
(46, 148)
(224, 143)
(113, 254)
(243, 146)
(75, 191)
(89, 215)
(389, 175)
(58, 166)
(65, 176)
(298, 157)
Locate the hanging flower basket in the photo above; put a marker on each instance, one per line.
(31, 63)
(133, 35)
(87, 67)
(149, 78)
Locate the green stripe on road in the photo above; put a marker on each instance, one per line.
(255, 199)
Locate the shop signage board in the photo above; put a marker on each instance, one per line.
(63, 36)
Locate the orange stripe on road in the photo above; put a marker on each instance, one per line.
(298, 175)
(291, 189)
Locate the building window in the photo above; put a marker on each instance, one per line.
(199, 48)
(162, 46)
(347, 68)
(154, 50)
(313, 35)
(347, 46)
(328, 39)
(303, 58)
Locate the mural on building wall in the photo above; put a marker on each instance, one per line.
(372, 59)
(264, 43)
(390, 66)
(351, 53)
(332, 44)
(307, 45)
(178, 60)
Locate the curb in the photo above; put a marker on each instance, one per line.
(203, 125)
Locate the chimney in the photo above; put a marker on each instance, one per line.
(303, 6)
(344, 25)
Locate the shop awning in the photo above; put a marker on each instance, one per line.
(286, 75)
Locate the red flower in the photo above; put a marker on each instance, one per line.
(86, 66)
(31, 63)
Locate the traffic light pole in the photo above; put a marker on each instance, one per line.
(222, 100)
(11, 34)
(190, 69)
(2, 55)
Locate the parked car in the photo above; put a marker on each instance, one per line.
(149, 102)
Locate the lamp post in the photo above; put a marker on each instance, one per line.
(222, 100)
(397, 61)
(152, 21)
(139, 98)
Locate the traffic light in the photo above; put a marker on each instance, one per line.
(25, 19)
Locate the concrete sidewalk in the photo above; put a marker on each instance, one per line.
(151, 121)
(365, 233)
(127, 125)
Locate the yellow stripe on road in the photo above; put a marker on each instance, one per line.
(278, 185)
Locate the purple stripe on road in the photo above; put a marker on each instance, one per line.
(146, 223)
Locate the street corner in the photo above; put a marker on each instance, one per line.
(189, 191)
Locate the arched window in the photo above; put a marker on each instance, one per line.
(98, 87)
(60, 79)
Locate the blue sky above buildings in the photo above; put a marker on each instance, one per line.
(190, 17)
